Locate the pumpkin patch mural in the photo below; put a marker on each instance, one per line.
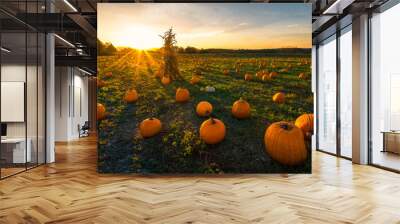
(204, 88)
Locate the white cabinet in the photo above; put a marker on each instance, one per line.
(19, 155)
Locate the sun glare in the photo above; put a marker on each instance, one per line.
(138, 37)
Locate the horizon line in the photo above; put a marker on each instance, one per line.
(235, 49)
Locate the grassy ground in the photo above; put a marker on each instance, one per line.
(178, 148)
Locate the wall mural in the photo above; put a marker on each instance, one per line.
(204, 88)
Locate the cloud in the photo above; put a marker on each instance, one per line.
(240, 27)
(201, 34)
(292, 25)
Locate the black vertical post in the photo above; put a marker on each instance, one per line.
(69, 92)
(73, 91)
(316, 118)
(60, 95)
(369, 90)
(338, 73)
(45, 95)
(26, 86)
(80, 102)
(37, 90)
(45, 89)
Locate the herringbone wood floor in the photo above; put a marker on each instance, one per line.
(71, 191)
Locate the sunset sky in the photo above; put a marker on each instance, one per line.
(230, 26)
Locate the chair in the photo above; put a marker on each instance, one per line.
(84, 130)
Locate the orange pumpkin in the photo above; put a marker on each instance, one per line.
(302, 76)
(226, 72)
(273, 75)
(279, 97)
(241, 109)
(195, 79)
(150, 127)
(204, 108)
(165, 80)
(247, 77)
(108, 74)
(158, 74)
(101, 111)
(284, 142)
(306, 123)
(266, 77)
(260, 74)
(182, 95)
(212, 131)
(131, 96)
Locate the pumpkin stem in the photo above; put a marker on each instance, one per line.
(211, 118)
(286, 126)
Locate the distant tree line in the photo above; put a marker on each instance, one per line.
(105, 49)
(276, 51)
(188, 50)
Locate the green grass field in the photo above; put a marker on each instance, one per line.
(178, 148)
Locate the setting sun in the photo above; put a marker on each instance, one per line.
(139, 37)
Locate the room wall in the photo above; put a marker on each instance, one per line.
(62, 81)
(34, 125)
(71, 87)
(16, 73)
(80, 109)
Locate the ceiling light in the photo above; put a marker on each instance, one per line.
(70, 5)
(64, 40)
(5, 50)
(79, 51)
(337, 7)
(333, 6)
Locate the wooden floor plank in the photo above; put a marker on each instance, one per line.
(71, 191)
